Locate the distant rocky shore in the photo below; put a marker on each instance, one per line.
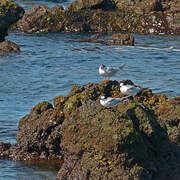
(133, 16)
(93, 142)
(98, 16)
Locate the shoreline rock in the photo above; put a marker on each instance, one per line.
(10, 12)
(93, 142)
(115, 16)
(8, 47)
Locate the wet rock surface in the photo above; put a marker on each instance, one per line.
(114, 39)
(8, 47)
(121, 39)
(94, 142)
(43, 19)
(142, 17)
(10, 12)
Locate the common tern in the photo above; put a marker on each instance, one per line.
(130, 89)
(109, 71)
(111, 102)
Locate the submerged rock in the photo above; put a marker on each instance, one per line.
(114, 39)
(94, 142)
(121, 39)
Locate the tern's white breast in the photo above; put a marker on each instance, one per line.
(129, 90)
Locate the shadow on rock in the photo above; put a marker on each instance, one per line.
(149, 146)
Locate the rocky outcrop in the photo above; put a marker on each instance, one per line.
(133, 16)
(8, 47)
(10, 12)
(43, 19)
(94, 142)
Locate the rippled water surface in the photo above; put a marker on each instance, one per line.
(50, 64)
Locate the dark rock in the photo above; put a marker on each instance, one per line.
(8, 47)
(4, 150)
(91, 4)
(98, 4)
(121, 39)
(10, 12)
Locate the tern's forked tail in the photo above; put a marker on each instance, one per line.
(121, 67)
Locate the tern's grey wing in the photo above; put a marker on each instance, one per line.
(133, 90)
(115, 68)
(116, 101)
(111, 70)
(112, 101)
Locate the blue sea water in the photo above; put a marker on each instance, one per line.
(50, 64)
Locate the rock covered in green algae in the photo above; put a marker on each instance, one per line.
(126, 142)
(10, 12)
(133, 16)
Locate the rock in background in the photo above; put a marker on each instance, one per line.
(10, 12)
(132, 16)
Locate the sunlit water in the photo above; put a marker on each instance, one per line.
(50, 64)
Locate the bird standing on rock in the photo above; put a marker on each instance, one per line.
(112, 102)
(109, 71)
(130, 89)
